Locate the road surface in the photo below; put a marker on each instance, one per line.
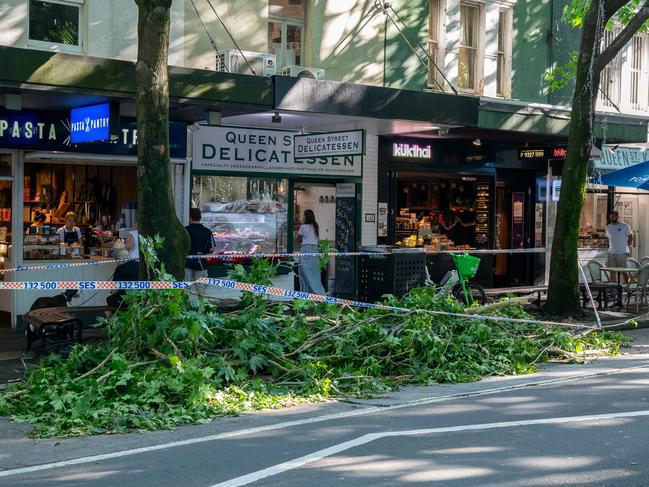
(567, 425)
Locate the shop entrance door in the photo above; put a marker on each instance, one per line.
(321, 198)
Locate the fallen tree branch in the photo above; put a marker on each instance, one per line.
(98, 367)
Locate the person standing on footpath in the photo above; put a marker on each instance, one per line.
(202, 243)
(620, 239)
(309, 239)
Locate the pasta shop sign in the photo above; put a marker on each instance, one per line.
(242, 149)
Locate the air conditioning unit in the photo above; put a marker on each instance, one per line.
(234, 61)
(303, 72)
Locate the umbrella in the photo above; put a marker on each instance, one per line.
(636, 176)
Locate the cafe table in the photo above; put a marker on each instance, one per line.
(620, 270)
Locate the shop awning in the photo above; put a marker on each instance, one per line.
(79, 77)
(636, 176)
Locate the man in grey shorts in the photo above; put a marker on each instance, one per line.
(620, 239)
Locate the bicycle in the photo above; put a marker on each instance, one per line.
(466, 289)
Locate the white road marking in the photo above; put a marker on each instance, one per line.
(301, 422)
(362, 440)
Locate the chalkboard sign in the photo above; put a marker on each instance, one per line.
(346, 239)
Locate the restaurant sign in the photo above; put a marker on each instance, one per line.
(330, 144)
(51, 131)
(245, 149)
(95, 123)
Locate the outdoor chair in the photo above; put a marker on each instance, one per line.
(602, 288)
(632, 263)
(637, 287)
(596, 273)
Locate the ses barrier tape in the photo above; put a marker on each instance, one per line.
(62, 265)
(267, 256)
(253, 288)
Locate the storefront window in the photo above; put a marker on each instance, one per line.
(245, 214)
(5, 166)
(443, 213)
(593, 221)
(101, 200)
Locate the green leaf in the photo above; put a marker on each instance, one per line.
(256, 362)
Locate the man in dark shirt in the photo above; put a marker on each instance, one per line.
(128, 271)
(202, 243)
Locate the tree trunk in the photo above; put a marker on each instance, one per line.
(156, 212)
(563, 292)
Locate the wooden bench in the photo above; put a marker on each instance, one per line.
(519, 291)
(60, 328)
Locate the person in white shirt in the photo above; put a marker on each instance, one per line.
(309, 239)
(620, 239)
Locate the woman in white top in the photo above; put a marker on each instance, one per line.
(309, 239)
(70, 233)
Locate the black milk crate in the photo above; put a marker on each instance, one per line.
(396, 273)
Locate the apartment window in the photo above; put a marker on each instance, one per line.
(610, 78)
(436, 24)
(467, 76)
(285, 31)
(504, 54)
(55, 24)
(639, 76)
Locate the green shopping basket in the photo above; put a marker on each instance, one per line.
(467, 265)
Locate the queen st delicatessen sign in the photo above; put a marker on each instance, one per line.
(243, 149)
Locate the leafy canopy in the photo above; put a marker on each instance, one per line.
(558, 77)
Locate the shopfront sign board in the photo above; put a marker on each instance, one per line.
(329, 144)
(518, 219)
(50, 131)
(556, 189)
(614, 157)
(538, 225)
(528, 154)
(411, 151)
(382, 230)
(346, 208)
(249, 149)
(95, 123)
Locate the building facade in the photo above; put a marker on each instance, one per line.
(447, 92)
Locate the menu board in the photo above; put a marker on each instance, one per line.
(482, 214)
(346, 239)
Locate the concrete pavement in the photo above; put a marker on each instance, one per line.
(551, 432)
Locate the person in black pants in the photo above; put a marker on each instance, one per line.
(202, 243)
(128, 271)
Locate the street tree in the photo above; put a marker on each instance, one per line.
(592, 16)
(156, 211)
